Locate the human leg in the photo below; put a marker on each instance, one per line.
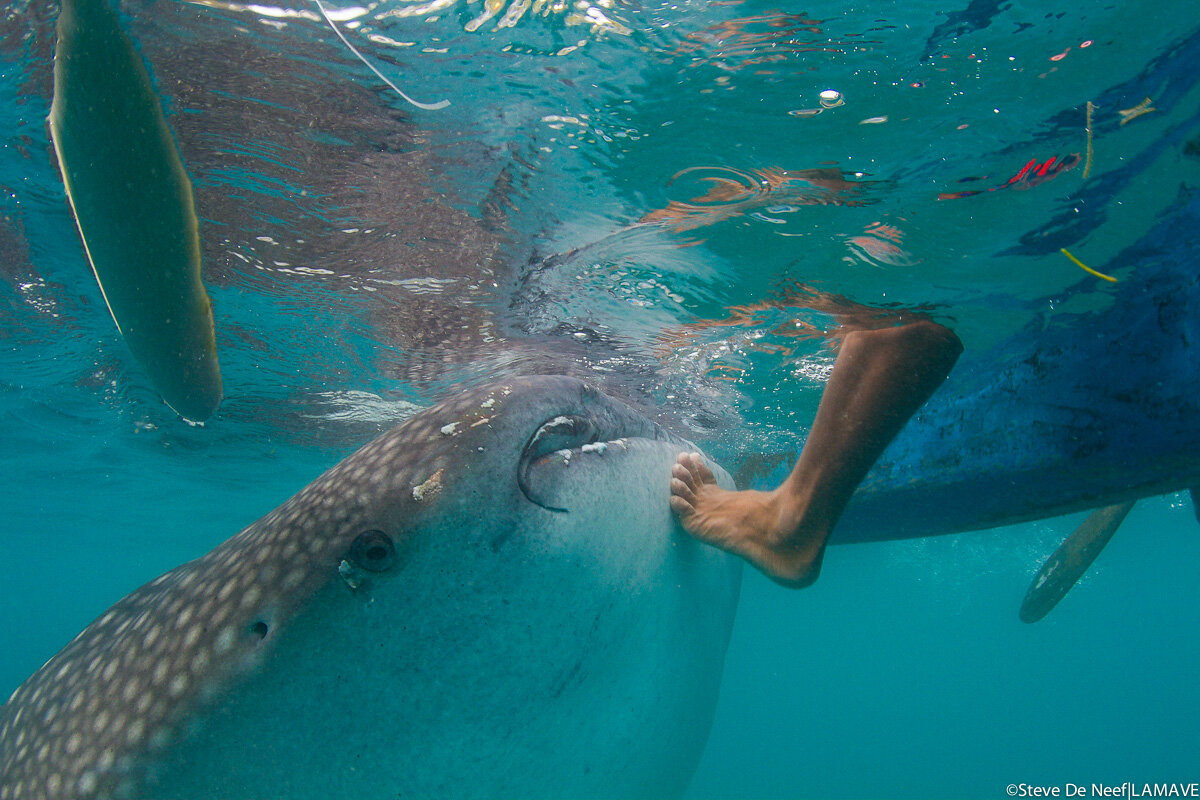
(879, 380)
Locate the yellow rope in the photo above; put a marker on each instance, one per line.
(1086, 268)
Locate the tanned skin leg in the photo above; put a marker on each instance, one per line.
(879, 380)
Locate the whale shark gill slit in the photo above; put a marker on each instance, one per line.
(567, 436)
(559, 435)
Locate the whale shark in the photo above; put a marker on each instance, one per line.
(490, 600)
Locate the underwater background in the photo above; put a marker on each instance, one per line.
(681, 202)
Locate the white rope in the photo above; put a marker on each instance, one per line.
(370, 66)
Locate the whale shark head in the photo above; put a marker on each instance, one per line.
(490, 600)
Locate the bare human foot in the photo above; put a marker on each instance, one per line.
(879, 380)
(761, 527)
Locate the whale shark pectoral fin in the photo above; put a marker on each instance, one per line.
(132, 201)
(1071, 560)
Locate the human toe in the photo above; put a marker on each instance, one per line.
(683, 490)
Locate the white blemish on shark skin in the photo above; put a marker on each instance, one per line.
(491, 401)
(430, 489)
(598, 448)
(481, 421)
(450, 430)
(350, 575)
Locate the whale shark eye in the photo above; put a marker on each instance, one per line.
(373, 551)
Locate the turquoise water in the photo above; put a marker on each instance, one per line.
(600, 192)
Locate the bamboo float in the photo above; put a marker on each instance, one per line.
(132, 202)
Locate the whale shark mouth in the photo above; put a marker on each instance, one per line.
(565, 438)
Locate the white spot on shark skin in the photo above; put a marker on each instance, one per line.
(481, 421)
(450, 430)
(491, 401)
(225, 592)
(250, 597)
(293, 579)
(225, 640)
(430, 488)
(185, 616)
(597, 447)
(160, 739)
(137, 730)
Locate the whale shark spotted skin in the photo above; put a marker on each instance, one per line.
(491, 599)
